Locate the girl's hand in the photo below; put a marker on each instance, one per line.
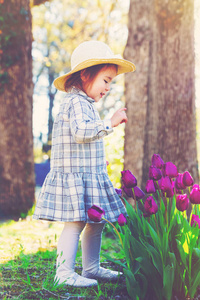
(119, 117)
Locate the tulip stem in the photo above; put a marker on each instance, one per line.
(115, 231)
(156, 225)
(134, 199)
(166, 210)
(190, 218)
(159, 193)
(190, 267)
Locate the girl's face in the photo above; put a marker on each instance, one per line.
(101, 83)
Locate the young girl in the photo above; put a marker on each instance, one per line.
(78, 177)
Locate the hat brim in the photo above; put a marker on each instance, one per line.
(124, 66)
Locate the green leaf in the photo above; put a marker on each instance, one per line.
(165, 245)
(152, 276)
(156, 257)
(162, 205)
(143, 284)
(168, 280)
(182, 253)
(137, 248)
(195, 279)
(130, 210)
(194, 236)
(133, 287)
(127, 247)
(196, 252)
(117, 262)
(154, 236)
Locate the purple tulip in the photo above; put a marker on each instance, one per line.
(119, 192)
(122, 220)
(128, 191)
(150, 187)
(154, 173)
(195, 194)
(139, 194)
(174, 188)
(179, 182)
(195, 220)
(166, 184)
(187, 179)
(169, 169)
(195, 186)
(95, 213)
(150, 206)
(128, 179)
(157, 161)
(182, 202)
(169, 193)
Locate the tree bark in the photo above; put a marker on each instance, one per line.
(160, 95)
(16, 139)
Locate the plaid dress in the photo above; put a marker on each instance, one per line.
(78, 176)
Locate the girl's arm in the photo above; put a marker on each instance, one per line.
(85, 124)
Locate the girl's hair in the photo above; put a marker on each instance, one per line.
(90, 73)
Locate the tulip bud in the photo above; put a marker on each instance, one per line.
(187, 179)
(139, 194)
(195, 195)
(119, 192)
(150, 187)
(95, 213)
(195, 186)
(128, 191)
(182, 202)
(122, 220)
(165, 184)
(157, 161)
(195, 220)
(128, 179)
(169, 169)
(169, 193)
(179, 182)
(154, 173)
(176, 190)
(150, 206)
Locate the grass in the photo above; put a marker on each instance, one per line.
(28, 263)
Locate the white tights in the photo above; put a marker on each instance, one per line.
(68, 245)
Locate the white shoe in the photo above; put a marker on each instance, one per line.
(76, 280)
(103, 274)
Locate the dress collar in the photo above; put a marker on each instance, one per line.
(78, 91)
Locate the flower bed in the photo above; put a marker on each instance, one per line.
(161, 236)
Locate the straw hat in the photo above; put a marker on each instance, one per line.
(92, 53)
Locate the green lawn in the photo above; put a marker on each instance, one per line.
(28, 257)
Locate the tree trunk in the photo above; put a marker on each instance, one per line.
(160, 95)
(16, 140)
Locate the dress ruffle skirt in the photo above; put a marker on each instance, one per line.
(68, 196)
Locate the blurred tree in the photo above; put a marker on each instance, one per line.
(160, 95)
(16, 139)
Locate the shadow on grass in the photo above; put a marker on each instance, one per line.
(31, 276)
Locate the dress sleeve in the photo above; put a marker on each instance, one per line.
(85, 123)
